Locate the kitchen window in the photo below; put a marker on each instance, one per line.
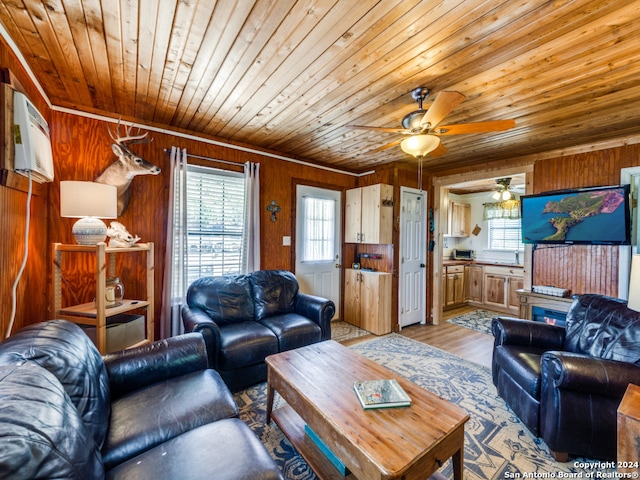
(505, 234)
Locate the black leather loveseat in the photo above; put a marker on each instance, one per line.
(245, 318)
(154, 412)
(565, 384)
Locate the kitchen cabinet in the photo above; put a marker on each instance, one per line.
(454, 286)
(369, 214)
(95, 314)
(459, 219)
(513, 300)
(367, 300)
(473, 277)
(500, 287)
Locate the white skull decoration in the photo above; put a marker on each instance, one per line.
(119, 236)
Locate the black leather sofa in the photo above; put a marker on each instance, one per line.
(245, 318)
(153, 412)
(566, 383)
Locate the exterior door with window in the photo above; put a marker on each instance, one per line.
(318, 221)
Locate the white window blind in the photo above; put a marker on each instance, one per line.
(318, 232)
(215, 217)
(505, 234)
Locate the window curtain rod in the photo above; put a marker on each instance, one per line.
(226, 162)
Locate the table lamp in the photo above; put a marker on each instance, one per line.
(88, 201)
(634, 284)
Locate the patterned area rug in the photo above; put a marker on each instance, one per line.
(341, 331)
(497, 444)
(478, 320)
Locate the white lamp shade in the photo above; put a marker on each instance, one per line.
(420, 145)
(88, 199)
(634, 284)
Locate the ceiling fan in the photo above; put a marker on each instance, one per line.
(423, 126)
(503, 189)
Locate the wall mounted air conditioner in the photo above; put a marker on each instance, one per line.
(32, 141)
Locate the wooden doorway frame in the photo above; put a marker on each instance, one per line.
(440, 200)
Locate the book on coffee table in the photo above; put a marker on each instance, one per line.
(332, 457)
(381, 394)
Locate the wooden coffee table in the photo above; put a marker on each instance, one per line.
(411, 442)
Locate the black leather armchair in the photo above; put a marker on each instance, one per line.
(565, 384)
(245, 318)
(154, 411)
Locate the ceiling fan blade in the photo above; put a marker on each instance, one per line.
(439, 151)
(479, 127)
(440, 108)
(382, 129)
(388, 145)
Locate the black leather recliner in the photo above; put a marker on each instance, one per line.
(565, 384)
(245, 318)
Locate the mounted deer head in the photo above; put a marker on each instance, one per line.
(121, 172)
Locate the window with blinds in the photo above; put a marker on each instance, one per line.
(505, 234)
(215, 219)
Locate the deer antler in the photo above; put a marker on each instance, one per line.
(128, 137)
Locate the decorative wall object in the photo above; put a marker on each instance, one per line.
(128, 165)
(274, 209)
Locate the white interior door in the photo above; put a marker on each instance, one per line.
(413, 251)
(318, 242)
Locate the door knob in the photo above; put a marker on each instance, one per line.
(422, 265)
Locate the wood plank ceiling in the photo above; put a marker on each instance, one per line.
(290, 76)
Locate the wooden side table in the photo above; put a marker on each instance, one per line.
(629, 430)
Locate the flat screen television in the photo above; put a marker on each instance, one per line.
(593, 216)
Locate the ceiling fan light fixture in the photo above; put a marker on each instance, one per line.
(420, 145)
(503, 191)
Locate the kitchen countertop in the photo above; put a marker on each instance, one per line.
(482, 262)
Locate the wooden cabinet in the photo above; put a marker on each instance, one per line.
(454, 286)
(494, 290)
(367, 300)
(95, 313)
(513, 300)
(500, 288)
(628, 422)
(369, 214)
(352, 298)
(473, 277)
(459, 219)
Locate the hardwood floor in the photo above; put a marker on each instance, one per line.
(463, 342)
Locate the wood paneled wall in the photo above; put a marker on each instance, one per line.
(82, 150)
(579, 268)
(31, 298)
